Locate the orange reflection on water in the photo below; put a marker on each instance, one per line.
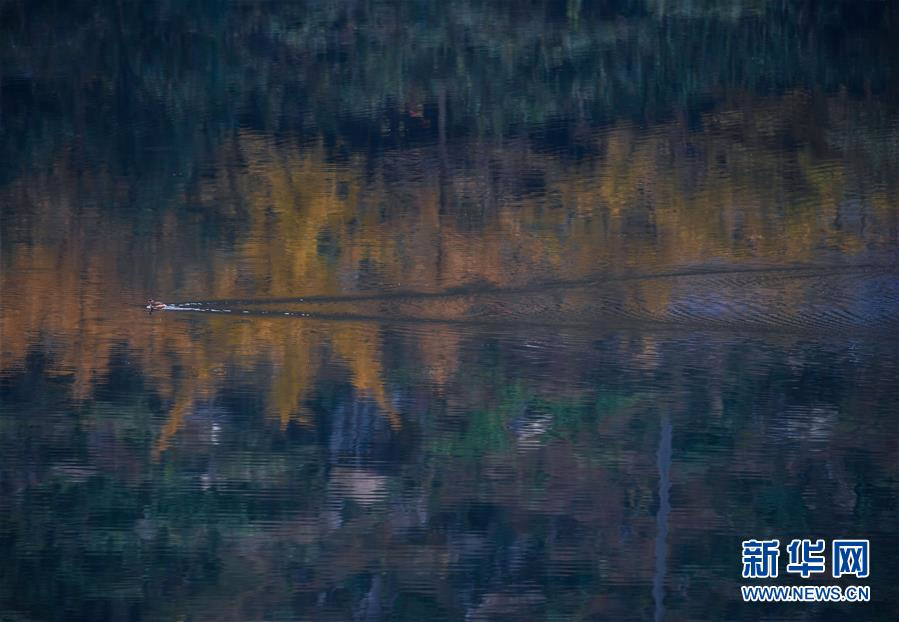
(654, 199)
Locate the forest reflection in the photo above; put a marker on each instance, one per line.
(375, 432)
(288, 221)
(591, 292)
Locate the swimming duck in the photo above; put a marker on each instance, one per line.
(155, 305)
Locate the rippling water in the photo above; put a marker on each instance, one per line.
(475, 311)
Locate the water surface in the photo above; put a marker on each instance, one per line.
(479, 311)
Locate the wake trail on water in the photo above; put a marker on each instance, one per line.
(537, 286)
(790, 298)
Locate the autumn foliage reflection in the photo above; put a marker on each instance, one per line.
(293, 220)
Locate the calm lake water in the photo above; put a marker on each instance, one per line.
(478, 310)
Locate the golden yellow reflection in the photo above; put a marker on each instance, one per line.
(656, 199)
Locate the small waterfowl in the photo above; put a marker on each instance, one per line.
(155, 305)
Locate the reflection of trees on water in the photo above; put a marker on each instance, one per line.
(154, 84)
(246, 469)
(281, 221)
(345, 513)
